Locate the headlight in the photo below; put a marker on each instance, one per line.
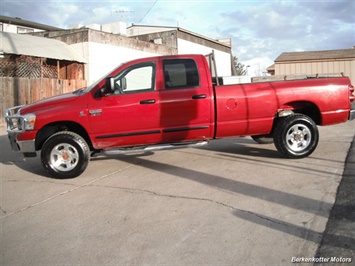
(29, 121)
(17, 122)
(14, 123)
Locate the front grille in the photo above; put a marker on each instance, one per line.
(14, 122)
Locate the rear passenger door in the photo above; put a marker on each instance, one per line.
(185, 102)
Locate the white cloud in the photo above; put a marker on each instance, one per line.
(260, 30)
(257, 66)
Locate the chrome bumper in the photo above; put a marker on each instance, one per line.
(26, 146)
(14, 121)
(352, 114)
(15, 124)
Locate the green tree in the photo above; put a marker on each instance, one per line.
(240, 69)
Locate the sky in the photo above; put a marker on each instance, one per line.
(260, 30)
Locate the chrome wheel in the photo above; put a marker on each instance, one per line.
(298, 137)
(64, 157)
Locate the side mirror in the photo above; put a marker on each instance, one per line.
(99, 93)
(109, 85)
(124, 84)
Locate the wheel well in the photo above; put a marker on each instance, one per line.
(45, 132)
(306, 108)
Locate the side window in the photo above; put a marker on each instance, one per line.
(180, 73)
(24, 30)
(136, 78)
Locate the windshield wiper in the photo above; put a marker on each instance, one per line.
(79, 91)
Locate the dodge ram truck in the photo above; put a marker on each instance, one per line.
(171, 102)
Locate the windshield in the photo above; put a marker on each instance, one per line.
(89, 88)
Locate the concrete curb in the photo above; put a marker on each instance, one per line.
(338, 241)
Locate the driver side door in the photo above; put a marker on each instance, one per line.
(129, 114)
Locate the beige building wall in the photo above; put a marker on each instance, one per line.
(317, 67)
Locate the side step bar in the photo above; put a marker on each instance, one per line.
(158, 147)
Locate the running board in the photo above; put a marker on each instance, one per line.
(158, 147)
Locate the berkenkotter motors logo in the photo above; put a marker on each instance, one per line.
(321, 260)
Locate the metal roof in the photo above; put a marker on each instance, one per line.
(316, 55)
(23, 44)
(26, 23)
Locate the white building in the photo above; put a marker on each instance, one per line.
(187, 42)
(106, 46)
(104, 51)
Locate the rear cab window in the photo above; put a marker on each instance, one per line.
(180, 73)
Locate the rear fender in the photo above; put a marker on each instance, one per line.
(303, 107)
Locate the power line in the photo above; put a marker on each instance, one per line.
(148, 11)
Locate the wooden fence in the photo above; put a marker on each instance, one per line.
(17, 91)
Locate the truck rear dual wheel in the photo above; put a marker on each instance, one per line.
(65, 155)
(296, 136)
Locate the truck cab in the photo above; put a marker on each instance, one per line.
(155, 101)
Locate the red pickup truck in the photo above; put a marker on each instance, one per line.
(169, 102)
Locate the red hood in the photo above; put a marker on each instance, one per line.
(49, 103)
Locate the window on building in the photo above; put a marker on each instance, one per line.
(158, 41)
(24, 30)
(1, 28)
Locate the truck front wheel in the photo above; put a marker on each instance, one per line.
(65, 155)
(296, 136)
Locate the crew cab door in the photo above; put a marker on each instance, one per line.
(185, 102)
(129, 114)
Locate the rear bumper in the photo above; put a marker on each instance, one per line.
(352, 114)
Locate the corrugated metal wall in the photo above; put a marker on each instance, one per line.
(347, 67)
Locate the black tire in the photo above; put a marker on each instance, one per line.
(65, 155)
(263, 139)
(296, 136)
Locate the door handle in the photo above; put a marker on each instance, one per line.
(150, 101)
(199, 96)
